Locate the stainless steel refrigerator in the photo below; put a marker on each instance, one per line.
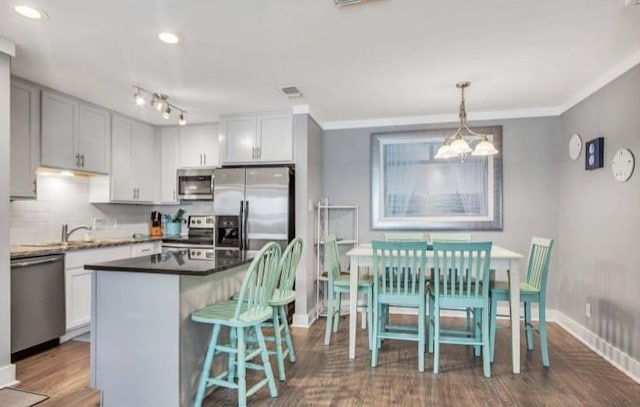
(260, 200)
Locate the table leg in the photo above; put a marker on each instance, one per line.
(353, 305)
(514, 301)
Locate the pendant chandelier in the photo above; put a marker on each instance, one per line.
(460, 143)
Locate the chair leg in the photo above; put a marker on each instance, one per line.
(486, 357)
(330, 312)
(492, 326)
(436, 338)
(477, 332)
(206, 367)
(242, 372)
(370, 316)
(527, 325)
(287, 334)
(421, 337)
(336, 319)
(278, 342)
(376, 332)
(264, 354)
(431, 326)
(231, 359)
(542, 327)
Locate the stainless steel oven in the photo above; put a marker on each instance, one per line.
(198, 244)
(195, 184)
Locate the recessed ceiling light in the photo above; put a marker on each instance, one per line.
(30, 12)
(169, 38)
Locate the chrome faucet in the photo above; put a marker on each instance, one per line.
(65, 235)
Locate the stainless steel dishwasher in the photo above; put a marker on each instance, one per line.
(37, 304)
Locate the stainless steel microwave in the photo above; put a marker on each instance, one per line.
(195, 184)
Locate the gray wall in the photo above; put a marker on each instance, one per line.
(599, 218)
(308, 184)
(530, 181)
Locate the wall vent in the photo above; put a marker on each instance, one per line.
(292, 92)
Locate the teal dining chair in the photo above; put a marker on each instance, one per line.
(534, 290)
(243, 316)
(339, 284)
(282, 296)
(460, 282)
(399, 281)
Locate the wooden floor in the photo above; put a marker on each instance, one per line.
(324, 376)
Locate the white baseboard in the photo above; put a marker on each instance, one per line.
(302, 320)
(623, 362)
(8, 375)
(75, 332)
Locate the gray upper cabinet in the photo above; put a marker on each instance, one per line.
(199, 146)
(167, 143)
(257, 138)
(75, 135)
(25, 139)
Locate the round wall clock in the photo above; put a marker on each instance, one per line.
(622, 165)
(575, 146)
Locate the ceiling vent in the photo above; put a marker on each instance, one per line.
(340, 3)
(632, 2)
(292, 92)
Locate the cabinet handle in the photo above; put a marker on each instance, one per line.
(253, 153)
(82, 160)
(35, 185)
(259, 151)
(200, 158)
(205, 158)
(77, 160)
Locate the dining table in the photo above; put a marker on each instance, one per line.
(501, 259)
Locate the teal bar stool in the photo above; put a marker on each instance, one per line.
(399, 281)
(460, 282)
(339, 284)
(282, 296)
(534, 290)
(245, 314)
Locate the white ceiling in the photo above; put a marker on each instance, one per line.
(397, 59)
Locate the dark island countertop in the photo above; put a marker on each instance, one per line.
(178, 262)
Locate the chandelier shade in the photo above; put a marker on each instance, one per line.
(465, 141)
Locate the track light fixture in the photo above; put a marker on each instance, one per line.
(160, 102)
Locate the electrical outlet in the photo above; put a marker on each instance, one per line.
(587, 310)
(98, 223)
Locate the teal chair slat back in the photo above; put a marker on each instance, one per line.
(259, 283)
(289, 265)
(459, 267)
(332, 258)
(538, 264)
(399, 267)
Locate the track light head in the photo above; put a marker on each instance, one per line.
(182, 121)
(167, 112)
(139, 99)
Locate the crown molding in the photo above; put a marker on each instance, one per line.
(7, 47)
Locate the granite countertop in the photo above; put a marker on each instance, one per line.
(178, 262)
(41, 249)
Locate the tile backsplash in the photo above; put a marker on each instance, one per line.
(63, 199)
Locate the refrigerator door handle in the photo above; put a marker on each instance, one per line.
(245, 232)
(241, 226)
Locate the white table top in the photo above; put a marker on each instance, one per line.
(497, 252)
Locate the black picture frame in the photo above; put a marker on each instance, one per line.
(594, 154)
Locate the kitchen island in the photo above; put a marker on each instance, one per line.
(145, 350)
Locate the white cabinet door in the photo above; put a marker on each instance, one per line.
(75, 135)
(142, 163)
(199, 146)
(275, 138)
(262, 138)
(93, 138)
(132, 161)
(239, 135)
(25, 139)
(168, 145)
(78, 298)
(59, 115)
(121, 189)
